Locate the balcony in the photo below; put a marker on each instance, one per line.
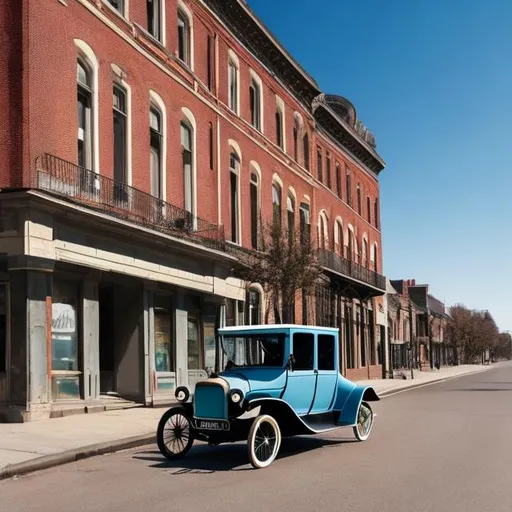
(345, 268)
(73, 183)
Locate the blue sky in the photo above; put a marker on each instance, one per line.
(433, 80)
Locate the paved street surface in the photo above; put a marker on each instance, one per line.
(445, 447)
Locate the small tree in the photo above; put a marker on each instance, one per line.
(285, 264)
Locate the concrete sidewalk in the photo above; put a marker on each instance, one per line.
(26, 447)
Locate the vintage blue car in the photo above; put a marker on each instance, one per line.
(278, 381)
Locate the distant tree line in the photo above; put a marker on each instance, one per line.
(474, 336)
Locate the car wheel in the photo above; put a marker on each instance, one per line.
(264, 441)
(364, 424)
(175, 433)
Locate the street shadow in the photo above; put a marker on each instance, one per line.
(204, 459)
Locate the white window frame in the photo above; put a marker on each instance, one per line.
(235, 63)
(281, 108)
(156, 101)
(255, 80)
(123, 84)
(235, 148)
(189, 118)
(85, 52)
(162, 28)
(186, 12)
(125, 10)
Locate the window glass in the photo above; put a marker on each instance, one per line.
(193, 343)
(164, 356)
(325, 352)
(303, 351)
(3, 327)
(183, 38)
(252, 350)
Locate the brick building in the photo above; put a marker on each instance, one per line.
(417, 324)
(144, 140)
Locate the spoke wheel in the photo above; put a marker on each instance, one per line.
(264, 441)
(175, 434)
(364, 422)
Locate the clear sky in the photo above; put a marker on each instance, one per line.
(433, 80)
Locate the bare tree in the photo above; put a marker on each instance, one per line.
(285, 264)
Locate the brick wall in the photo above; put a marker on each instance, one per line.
(51, 123)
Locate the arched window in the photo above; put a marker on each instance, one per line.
(338, 180)
(351, 247)
(233, 82)
(358, 199)
(323, 231)
(234, 180)
(85, 89)
(305, 143)
(376, 218)
(368, 209)
(338, 237)
(187, 165)
(305, 223)
(256, 101)
(290, 209)
(276, 203)
(375, 258)
(348, 186)
(185, 41)
(155, 150)
(296, 140)
(365, 256)
(255, 205)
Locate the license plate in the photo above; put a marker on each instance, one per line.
(212, 425)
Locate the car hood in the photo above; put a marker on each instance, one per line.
(255, 379)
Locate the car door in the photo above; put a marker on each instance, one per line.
(300, 388)
(327, 372)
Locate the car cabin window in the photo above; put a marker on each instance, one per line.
(325, 352)
(303, 350)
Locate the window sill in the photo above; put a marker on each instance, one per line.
(150, 37)
(114, 10)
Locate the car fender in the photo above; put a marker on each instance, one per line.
(288, 420)
(351, 406)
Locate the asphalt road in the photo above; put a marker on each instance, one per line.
(445, 447)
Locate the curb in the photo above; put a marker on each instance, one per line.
(49, 461)
(392, 392)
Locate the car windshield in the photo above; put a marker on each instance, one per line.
(254, 350)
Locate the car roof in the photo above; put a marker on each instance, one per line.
(275, 327)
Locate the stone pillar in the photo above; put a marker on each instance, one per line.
(30, 356)
(180, 337)
(90, 336)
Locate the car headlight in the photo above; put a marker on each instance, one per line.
(182, 394)
(236, 396)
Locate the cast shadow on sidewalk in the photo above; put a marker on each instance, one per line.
(204, 459)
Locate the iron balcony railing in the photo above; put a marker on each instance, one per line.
(344, 266)
(62, 178)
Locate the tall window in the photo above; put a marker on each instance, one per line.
(338, 180)
(276, 204)
(254, 193)
(322, 231)
(255, 103)
(120, 115)
(290, 210)
(319, 165)
(349, 187)
(375, 258)
(187, 164)
(366, 253)
(254, 304)
(118, 5)
(184, 39)
(155, 137)
(358, 199)
(328, 168)
(296, 141)
(210, 60)
(279, 128)
(368, 209)
(376, 213)
(234, 167)
(351, 246)
(338, 238)
(154, 19)
(305, 143)
(233, 86)
(305, 223)
(84, 107)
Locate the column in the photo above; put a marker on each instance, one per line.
(181, 338)
(90, 337)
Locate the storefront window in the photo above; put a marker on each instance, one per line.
(209, 342)
(65, 367)
(3, 327)
(164, 357)
(193, 343)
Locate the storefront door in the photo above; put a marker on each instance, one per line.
(3, 342)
